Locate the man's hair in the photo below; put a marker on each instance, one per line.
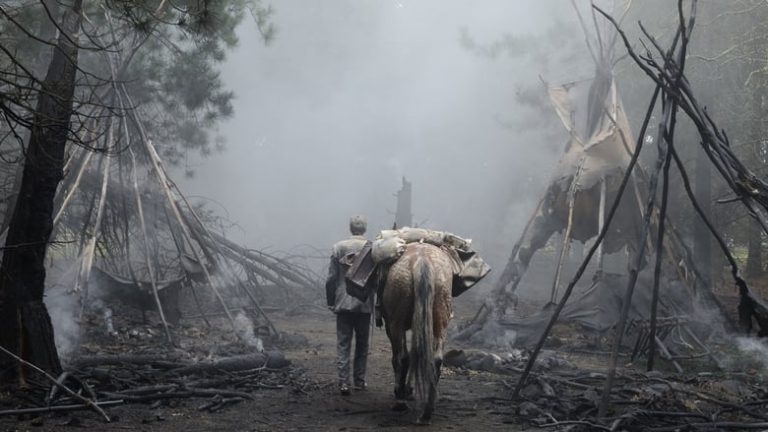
(358, 225)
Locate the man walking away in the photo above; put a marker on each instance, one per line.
(352, 315)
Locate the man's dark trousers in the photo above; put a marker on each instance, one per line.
(347, 324)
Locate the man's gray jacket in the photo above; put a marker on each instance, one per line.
(336, 286)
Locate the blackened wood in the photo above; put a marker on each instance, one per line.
(665, 134)
(635, 270)
(749, 305)
(59, 408)
(659, 251)
(24, 320)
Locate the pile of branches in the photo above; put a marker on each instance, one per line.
(560, 396)
(666, 67)
(569, 400)
(100, 381)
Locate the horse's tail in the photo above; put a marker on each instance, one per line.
(422, 357)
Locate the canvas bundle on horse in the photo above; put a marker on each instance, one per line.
(416, 289)
(367, 270)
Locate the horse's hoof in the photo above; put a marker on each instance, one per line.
(423, 422)
(400, 406)
(406, 394)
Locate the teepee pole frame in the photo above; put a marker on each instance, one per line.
(155, 160)
(609, 217)
(660, 246)
(668, 110)
(601, 224)
(566, 243)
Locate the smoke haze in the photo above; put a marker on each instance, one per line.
(352, 95)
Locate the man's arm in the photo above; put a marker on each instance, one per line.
(332, 282)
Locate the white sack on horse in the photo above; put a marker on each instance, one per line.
(386, 250)
(437, 238)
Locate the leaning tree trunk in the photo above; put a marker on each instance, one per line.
(25, 326)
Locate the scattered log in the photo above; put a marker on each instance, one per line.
(178, 393)
(59, 408)
(269, 359)
(157, 360)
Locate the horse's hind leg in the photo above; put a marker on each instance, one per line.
(439, 357)
(403, 390)
(400, 365)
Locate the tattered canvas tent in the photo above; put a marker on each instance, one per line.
(587, 176)
(585, 183)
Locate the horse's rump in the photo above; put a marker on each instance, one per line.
(398, 292)
(417, 297)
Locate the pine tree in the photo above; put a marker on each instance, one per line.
(163, 53)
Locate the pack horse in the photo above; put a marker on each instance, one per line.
(417, 297)
(415, 273)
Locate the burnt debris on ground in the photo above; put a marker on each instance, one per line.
(563, 392)
(210, 367)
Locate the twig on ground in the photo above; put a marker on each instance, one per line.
(88, 402)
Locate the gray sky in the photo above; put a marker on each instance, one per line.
(354, 94)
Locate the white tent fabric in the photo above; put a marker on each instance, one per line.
(592, 155)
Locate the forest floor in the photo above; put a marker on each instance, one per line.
(471, 398)
(468, 401)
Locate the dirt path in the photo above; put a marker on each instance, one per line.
(469, 401)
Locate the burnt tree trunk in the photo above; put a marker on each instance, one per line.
(403, 214)
(25, 326)
(46, 32)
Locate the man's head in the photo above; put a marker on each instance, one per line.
(358, 225)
